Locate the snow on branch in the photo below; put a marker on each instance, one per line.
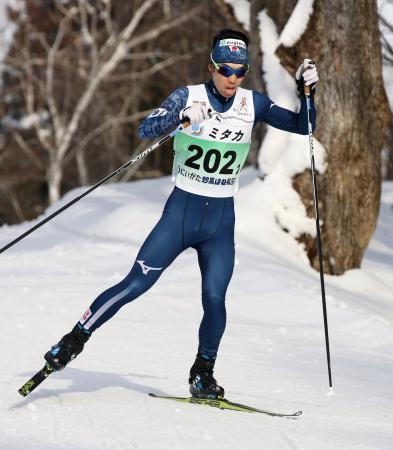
(297, 23)
(241, 10)
(283, 155)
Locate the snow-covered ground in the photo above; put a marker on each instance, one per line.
(272, 355)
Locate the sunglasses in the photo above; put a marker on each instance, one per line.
(228, 71)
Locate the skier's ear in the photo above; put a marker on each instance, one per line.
(211, 68)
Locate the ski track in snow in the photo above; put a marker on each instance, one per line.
(272, 355)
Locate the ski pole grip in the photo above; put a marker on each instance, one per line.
(309, 66)
(185, 122)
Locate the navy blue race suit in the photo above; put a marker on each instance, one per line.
(190, 220)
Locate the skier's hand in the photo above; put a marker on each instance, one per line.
(306, 75)
(196, 113)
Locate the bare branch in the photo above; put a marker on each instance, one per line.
(166, 6)
(28, 151)
(156, 32)
(29, 92)
(387, 47)
(117, 41)
(15, 205)
(387, 24)
(152, 70)
(27, 83)
(108, 19)
(130, 28)
(104, 70)
(58, 127)
(119, 120)
(84, 26)
(61, 7)
(146, 55)
(87, 35)
(82, 168)
(41, 39)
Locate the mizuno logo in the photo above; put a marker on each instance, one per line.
(146, 269)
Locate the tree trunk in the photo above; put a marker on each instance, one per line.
(387, 171)
(82, 168)
(352, 118)
(54, 178)
(256, 76)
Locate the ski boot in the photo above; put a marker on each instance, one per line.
(202, 383)
(68, 348)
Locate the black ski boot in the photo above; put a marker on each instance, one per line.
(68, 348)
(202, 383)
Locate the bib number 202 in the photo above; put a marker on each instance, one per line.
(212, 160)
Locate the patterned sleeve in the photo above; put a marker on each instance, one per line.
(166, 116)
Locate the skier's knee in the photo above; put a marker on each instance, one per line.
(136, 287)
(213, 300)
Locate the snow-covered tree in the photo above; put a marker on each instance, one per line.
(353, 113)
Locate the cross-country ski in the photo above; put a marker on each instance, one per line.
(222, 403)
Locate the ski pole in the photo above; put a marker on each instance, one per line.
(104, 180)
(319, 244)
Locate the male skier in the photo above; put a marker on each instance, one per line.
(199, 213)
